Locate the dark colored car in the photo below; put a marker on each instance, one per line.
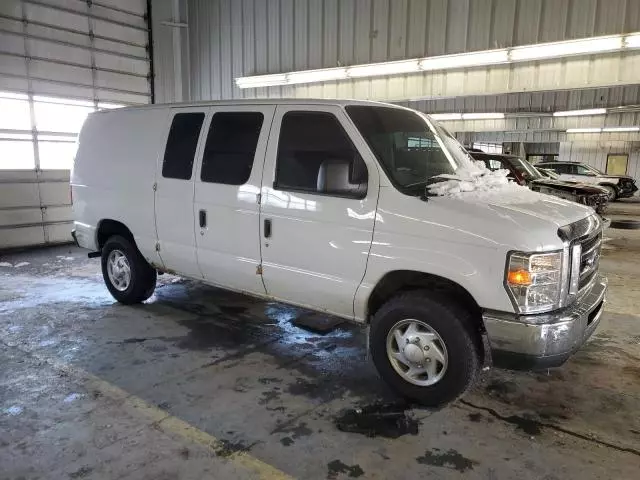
(618, 186)
(526, 174)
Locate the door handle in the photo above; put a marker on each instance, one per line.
(267, 228)
(203, 218)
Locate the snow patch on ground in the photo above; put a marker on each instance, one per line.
(21, 264)
(6, 264)
(477, 182)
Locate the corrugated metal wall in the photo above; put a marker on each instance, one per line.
(534, 101)
(228, 39)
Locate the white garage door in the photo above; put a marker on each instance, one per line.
(59, 61)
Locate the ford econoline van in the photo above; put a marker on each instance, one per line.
(361, 210)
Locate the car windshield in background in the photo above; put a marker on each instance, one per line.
(548, 173)
(525, 169)
(406, 146)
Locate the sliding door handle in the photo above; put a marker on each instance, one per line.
(267, 228)
(202, 216)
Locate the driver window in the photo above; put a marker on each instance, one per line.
(315, 155)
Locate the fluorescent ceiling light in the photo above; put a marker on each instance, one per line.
(561, 49)
(262, 81)
(632, 41)
(446, 116)
(482, 116)
(621, 129)
(584, 130)
(576, 113)
(524, 53)
(473, 59)
(387, 68)
(312, 76)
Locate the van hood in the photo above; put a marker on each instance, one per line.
(546, 207)
(527, 222)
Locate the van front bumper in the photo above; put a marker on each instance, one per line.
(546, 340)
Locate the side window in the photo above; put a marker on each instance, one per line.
(181, 145)
(231, 147)
(584, 171)
(315, 155)
(560, 168)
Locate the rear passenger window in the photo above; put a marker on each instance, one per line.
(181, 145)
(231, 147)
(315, 155)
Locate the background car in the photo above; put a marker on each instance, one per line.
(526, 174)
(618, 186)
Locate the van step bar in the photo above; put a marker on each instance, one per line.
(94, 254)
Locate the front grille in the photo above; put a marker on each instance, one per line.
(589, 259)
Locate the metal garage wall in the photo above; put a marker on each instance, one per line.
(74, 54)
(228, 39)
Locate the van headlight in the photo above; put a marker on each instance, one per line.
(534, 281)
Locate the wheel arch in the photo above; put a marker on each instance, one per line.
(397, 281)
(108, 227)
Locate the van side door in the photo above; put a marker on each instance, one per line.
(319, 198)
(227, 189)
(175, 188)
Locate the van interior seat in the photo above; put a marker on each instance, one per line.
(334, 176)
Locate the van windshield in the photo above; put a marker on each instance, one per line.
(410, 147)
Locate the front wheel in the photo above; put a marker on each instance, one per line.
(424, 348)
(128, 276)
(612, 192)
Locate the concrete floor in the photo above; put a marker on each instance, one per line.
(200, 383)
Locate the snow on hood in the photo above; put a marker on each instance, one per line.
(476, 182)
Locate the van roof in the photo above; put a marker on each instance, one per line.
(262, 101)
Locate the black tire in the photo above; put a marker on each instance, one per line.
(143, 275)
(455, 327)
(613, 193)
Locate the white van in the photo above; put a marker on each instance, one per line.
(368, 211)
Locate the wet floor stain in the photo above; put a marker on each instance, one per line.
(475, 417)
(501, 388)
(379, 420)
(226, 448)
(81, 472)
(450, 459)
(336, 468)
(526, 424)
(287, 441)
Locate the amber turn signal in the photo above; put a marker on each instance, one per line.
(519, 277)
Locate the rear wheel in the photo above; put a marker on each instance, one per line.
(424, 348)
(128, 276)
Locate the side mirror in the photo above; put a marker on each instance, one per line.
(358, 171)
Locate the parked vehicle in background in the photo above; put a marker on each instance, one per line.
(369, 212)
(618, 186)
(524, 173)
